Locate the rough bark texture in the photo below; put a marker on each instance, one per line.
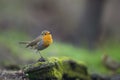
(11, 75)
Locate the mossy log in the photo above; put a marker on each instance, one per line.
(54, 69)
(57, 69)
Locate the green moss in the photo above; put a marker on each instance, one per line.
(57, 68)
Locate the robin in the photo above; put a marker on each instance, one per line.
(41, 42)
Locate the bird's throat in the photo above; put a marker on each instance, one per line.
(47, 40)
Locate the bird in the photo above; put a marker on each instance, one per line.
(110, 64)
(41, 42)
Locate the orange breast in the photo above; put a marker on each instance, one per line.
(47, 39)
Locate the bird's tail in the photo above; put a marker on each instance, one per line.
(24, 42)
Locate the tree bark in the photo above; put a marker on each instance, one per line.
(91, 23)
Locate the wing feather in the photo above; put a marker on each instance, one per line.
(34, 42)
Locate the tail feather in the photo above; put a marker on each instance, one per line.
(24, 42)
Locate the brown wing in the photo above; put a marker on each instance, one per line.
(34, 42)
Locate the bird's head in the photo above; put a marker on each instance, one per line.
(47, 37)
(45, 32)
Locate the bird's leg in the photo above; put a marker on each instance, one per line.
(40, 54)
(42, 59)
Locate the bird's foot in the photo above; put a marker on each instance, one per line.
(42, 59)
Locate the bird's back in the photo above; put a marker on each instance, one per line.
(34, 42)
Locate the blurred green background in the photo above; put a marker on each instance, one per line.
(82, 29)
